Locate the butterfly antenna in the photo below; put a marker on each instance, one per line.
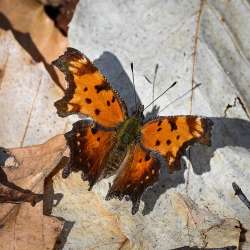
(179, 97)
(155, 74)
(133, 81)
(172, 85)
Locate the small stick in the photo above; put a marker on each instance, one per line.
(197, 248)
(241, 195)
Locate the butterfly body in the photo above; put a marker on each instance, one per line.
(126, 135)
(114, 143)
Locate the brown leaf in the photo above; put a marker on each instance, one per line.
(227, 233)
(27, 96)
(34, 30)
(61, 11)
(24, 226)
(66, 13)
(91, 216)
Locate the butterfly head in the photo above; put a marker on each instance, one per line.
(138, 113)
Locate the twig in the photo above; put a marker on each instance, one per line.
(196, 36)
(197, 248)
(241, 195)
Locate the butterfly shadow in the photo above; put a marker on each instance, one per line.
(226, 132)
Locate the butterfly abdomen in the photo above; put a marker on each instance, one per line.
(126, 135)
(115, 158)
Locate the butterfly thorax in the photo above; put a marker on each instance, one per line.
(127, 132)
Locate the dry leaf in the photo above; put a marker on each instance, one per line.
(61, 12)
(95, 219)
(214, 231)
(35, 31)
(9, 192)
(66, 14)
(227, 233)
(27, 96)
(24, 226)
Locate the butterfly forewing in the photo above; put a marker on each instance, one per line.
(171, 135)
(88, 92)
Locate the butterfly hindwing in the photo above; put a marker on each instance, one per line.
(89, 92)
(138, 171)
(89, 146)
(171, 135)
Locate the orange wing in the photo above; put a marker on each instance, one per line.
(88, 92)
(138, 171)
(89, 148)
(171, 135)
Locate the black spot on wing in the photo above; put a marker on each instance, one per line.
(172, 123)
(157, 143)
(147, 157)
(88, 68)
(168, 142)
(94, 130)
(88, 100)
(97, 111)
(101, 87)
(159, 123)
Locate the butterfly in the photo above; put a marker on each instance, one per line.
(114, 142)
